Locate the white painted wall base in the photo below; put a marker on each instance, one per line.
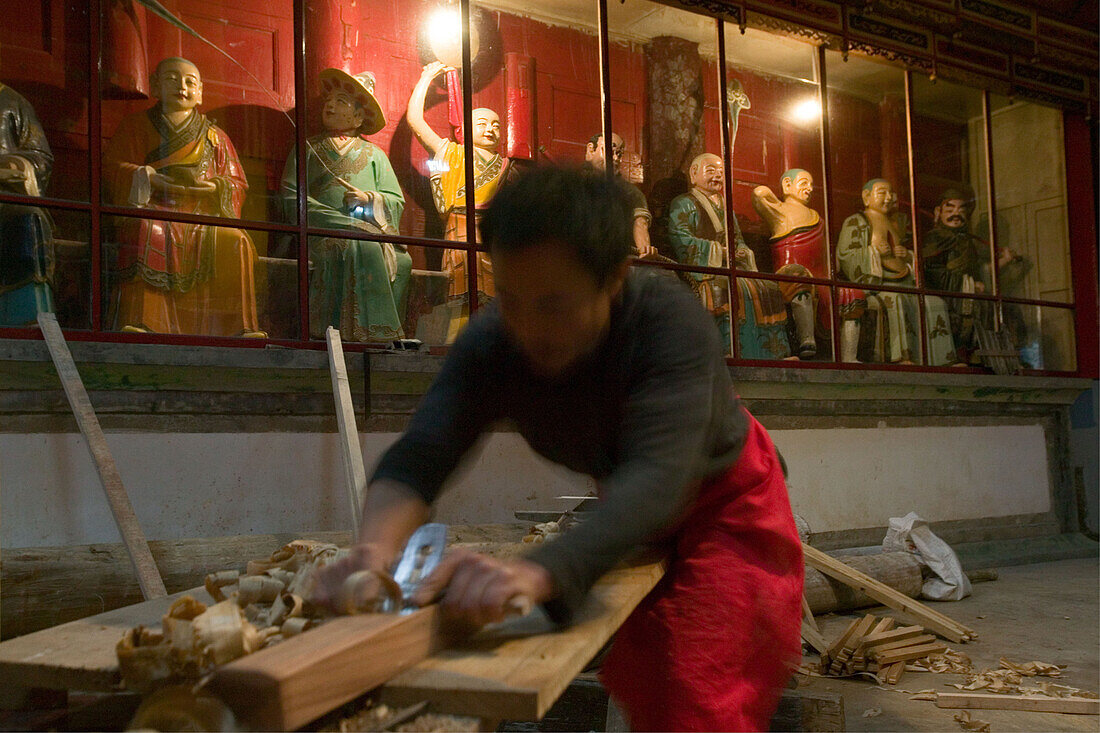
(207, 485)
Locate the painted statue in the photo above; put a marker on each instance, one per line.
(356, 286)
(953, 259)
(595, 157)
(799, 248)
(697, 235)
(872, 249)
(26, 236)
(448, 181)
(174, 277)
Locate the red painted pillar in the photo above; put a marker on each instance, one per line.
(1083, 241)
(331, 30)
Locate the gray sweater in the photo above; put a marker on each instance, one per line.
(648, 414)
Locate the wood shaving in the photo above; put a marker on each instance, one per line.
(543, 532)
(261, 607)
(1008, 678)
(948, 662)
(872, 712)
(1032, 669)
(432, 723)
(971, 724)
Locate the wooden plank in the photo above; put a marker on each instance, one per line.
(814, 638)
(80, 655)
(858, 656)
(1032, 703)
(841, 640)
(887, 646)
(808, 615)
(899, 570)
(894, 673)
(123, 512)
(928, 618)
(355, 475)
(516, 669)
(836, 666)
(286, 686)
(892, 635)
(904, 654)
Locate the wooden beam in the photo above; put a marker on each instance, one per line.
(355, 475)
(927, 617)
(1032, 703)
(904, 654)
(287, 685)
(892, 635)
(888, 645)
(123, 512)
(814, 638)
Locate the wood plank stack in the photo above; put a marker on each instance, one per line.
(876, 645)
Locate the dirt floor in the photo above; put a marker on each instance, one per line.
(1046, 612)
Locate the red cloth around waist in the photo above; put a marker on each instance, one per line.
(712, 645)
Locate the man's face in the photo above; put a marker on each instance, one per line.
(952, 214)
(341, 113)
(552, 306)
(486, 129)
(595, 154)
(881, 198)
(800, 187)
(706, 175)
(178, 86)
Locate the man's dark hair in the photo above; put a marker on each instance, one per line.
(584, 211)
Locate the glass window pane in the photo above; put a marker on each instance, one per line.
(200, 119)
(963, 320)
(432, 315)
(360, 287)
(951, 181)
(215, 283)
(775, 113)
(44, 44)
(869, 168)
(366, 170)
(1043, 335)
(664, 89)
(1029, 183)
(44, 266)
(760, 321)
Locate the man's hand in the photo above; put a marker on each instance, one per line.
(476, 589)
(329, 591)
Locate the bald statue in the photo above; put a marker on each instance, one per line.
(697, 235)
(799, 248)
(175, 277)
(872, 249)
(448, 181)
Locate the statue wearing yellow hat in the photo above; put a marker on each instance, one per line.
(357, 286)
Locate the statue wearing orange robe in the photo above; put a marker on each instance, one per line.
(176, 277)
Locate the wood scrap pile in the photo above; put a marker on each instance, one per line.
(875, 645)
